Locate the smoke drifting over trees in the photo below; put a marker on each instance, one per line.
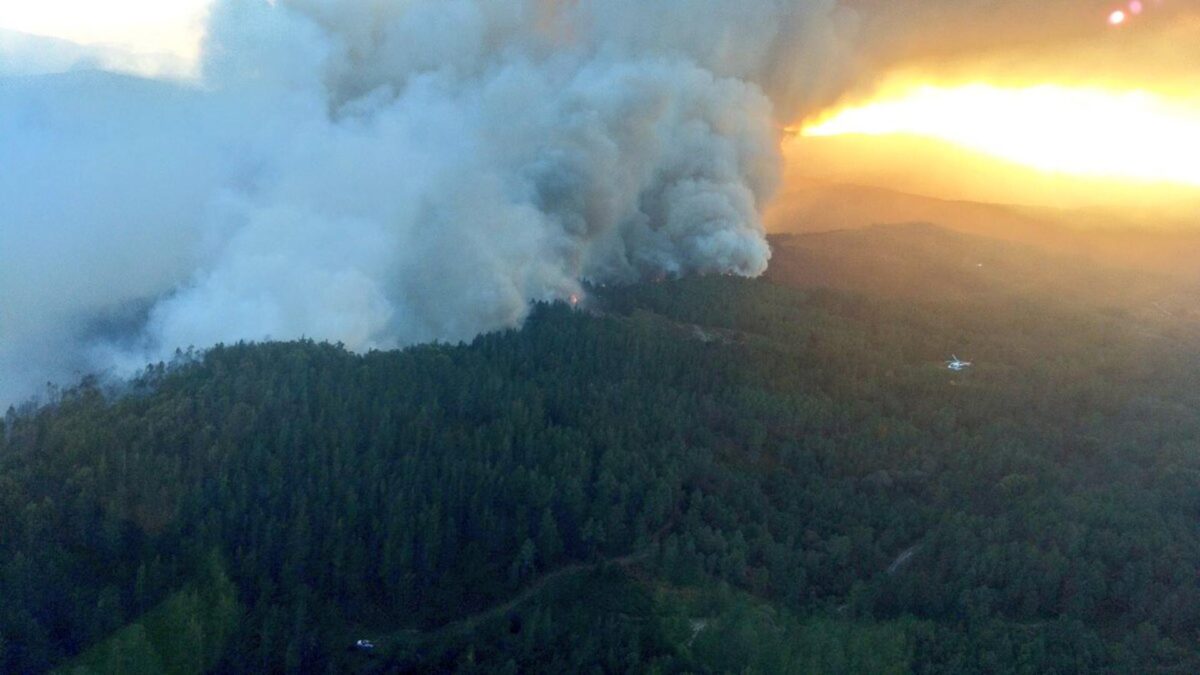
(384, 173)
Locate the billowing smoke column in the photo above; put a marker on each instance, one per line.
(387, 172)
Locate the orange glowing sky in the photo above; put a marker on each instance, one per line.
(1065, 104)
(1132, 134)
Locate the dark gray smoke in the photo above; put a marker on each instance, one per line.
(389, 172)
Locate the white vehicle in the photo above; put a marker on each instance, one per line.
(365, 644)
(956, 364)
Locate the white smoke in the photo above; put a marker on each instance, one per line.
(387, 172)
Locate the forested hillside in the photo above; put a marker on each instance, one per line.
(700, 475)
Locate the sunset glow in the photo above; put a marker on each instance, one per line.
(1133, 135)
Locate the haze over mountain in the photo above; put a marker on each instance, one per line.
(383, 175)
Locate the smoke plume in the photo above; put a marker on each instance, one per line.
(382, 173)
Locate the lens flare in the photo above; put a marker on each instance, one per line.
(1132, 136)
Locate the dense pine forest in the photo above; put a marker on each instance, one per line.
(698, 475)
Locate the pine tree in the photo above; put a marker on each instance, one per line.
(549, 543)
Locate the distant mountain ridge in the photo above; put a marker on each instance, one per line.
(23, 54)
(28, 54)
(1164, 243)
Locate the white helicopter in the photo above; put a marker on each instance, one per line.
(956, 364)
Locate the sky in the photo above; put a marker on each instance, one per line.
(1102, 91)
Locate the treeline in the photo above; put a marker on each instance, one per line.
(806, 451)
